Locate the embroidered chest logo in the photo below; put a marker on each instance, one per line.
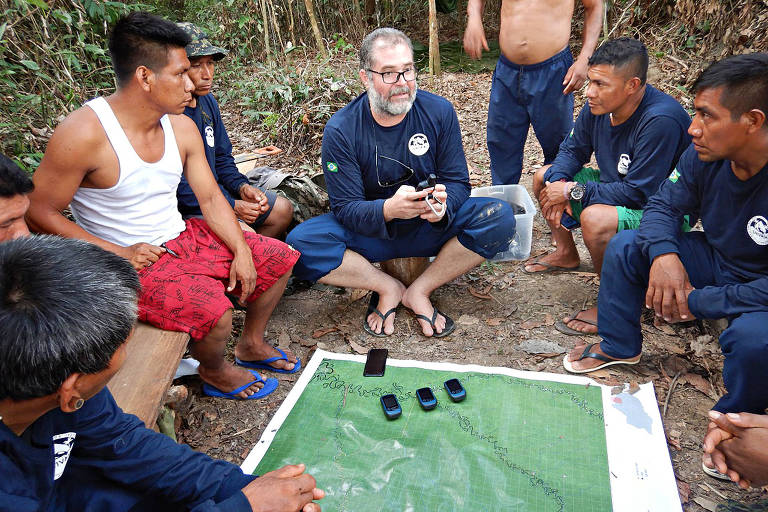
(209, 136)
(623, 165)
(757, 229)
(62, 447)
(418, 144)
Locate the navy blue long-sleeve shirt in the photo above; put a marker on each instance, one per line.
(218, 152)
(111, 447)
(634, 157)
(428, 140)
(733, 214)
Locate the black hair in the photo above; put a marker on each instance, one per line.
(744, 79)
(143, 39)
(66, 306)
(624, 53)
(13, 181)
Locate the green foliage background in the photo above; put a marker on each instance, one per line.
(53, 58)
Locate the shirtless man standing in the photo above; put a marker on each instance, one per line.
(535, 77)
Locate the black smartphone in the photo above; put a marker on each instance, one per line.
(375, 363)
(568, 222)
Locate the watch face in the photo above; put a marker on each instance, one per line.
(577, 192)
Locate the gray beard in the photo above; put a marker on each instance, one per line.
(382, 105)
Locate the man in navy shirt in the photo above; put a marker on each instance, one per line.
(376, 151)
(264, 211)
(66, 309)
(720, 272)
(637, 133)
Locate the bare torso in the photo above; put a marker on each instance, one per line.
(534, 30)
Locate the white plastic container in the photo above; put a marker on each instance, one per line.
(520, 248)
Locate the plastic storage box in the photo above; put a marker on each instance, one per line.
(520, 248)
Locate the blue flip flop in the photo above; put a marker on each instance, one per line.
(269, 386)
(263, 364)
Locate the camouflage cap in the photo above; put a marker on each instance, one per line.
(200, 45)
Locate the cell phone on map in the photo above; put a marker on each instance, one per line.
(455, 390)
(391, 406)
(376, 362)
(427, 398)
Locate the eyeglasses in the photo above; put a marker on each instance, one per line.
(391, 183)
(392, 77)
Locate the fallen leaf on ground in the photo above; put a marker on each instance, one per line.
(283, 340)
(706, 504)
(468, 320)
(616, 390)
(494, 322)
(663, 326)
(698, 382)
(307, 342)
(541, 346)
(322, 346)
(684, 490)
(357, 347)
(319, 333)
(633, 387)
(674, 443)
(480, 294)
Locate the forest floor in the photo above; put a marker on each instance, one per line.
(496, 307)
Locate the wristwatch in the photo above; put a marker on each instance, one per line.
(576, 192)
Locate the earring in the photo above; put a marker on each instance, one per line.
(79, 403)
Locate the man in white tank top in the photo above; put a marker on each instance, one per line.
(117, 162)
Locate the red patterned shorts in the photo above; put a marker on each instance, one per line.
(187, 292)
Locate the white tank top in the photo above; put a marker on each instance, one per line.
(142, 205)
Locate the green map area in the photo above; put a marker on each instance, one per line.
(513, 444)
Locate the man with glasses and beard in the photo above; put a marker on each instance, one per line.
(378, 154)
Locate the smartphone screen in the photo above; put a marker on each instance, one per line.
(425, 394)
(453, 386)
(375, 363)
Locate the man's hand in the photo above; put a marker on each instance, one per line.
(575, 76)
(254, 195)
(554, 213)
(141, 255)
(406, 204)
(474, 38)
(441, 195)
(738, 445)
(668, 288)
(554, 193)
(242, 270)
(287, 489)
(247, 211)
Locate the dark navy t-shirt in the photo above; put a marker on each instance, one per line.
(108, 449)
(634, 157)
(218, 152)
(428, 140)
(734, 215)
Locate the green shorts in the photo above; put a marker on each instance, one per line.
(628, 218)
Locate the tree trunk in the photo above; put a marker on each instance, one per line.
(434, 45)
(265, 19)
(290, 26)
(359, 21)
(315, 29)
(370, 10)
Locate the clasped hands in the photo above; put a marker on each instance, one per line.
(737, 446)
(554, 201)
(407, 203)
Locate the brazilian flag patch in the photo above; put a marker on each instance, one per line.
(332, 167)
(674, 176)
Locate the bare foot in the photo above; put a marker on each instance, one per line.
(590, 363)
(553, 259)
(228, 378)
(262, 350)
(576, 323)
(421, 305)
(387, 300)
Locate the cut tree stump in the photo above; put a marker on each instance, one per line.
(406, 270)
(152, 356)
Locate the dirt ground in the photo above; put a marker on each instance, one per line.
(496, 308)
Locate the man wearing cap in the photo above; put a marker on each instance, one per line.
(264, 211)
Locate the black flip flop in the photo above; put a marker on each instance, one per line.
(607, 361)
(563, 326)
(373, 307)
(450, 326)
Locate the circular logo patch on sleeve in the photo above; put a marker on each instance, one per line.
(757, 229)
(418, 144)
